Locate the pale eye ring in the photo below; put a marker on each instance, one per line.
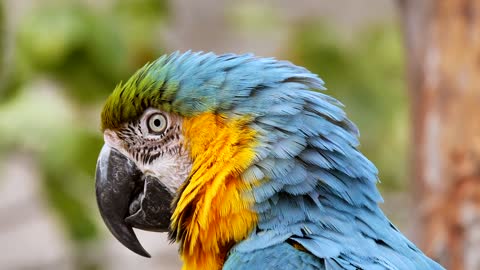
(157, 123)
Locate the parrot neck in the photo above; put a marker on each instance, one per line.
(213, 210)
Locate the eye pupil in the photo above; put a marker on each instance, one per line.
(157, 123)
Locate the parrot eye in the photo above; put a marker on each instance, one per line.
(157, 123)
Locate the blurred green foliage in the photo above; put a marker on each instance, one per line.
(366, 73)
(2, 39)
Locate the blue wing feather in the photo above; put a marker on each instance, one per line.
(313, 187)
(280, 256)
(324, 188)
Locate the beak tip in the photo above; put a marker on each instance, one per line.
(135, 246)
(127, 237)
(142, 252)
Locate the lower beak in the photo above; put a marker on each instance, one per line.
(127, 198)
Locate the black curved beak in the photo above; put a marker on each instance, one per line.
(127, 198)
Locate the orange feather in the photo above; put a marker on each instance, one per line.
(215, 207)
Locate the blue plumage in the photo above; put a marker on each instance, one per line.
(279, 256)
(316, 189)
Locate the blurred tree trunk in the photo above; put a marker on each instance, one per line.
(443, 52)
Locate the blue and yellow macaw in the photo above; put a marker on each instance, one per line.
(246, 166)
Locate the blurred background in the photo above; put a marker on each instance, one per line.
(60, 59)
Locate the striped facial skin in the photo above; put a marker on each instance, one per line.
(156, 144)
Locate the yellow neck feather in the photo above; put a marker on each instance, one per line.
(214, 209)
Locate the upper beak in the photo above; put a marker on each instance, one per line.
(127, 198)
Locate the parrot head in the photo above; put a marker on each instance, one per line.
(236, 152)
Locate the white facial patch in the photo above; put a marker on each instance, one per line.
(171, 169)
(160, 154)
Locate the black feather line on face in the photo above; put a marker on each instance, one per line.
(147, 150)
(179, 234)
